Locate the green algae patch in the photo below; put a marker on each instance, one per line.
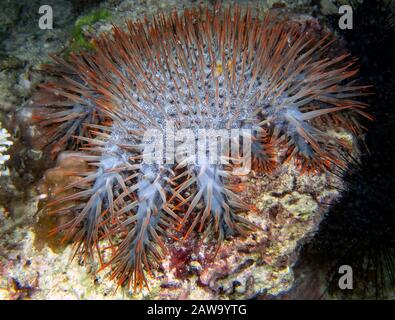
(79, 41)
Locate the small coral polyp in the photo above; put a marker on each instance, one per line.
(220, 69)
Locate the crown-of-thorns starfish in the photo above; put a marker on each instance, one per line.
(219, 69)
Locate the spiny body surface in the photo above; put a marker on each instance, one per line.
(217, 70)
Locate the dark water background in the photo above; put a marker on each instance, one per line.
(360, 230)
